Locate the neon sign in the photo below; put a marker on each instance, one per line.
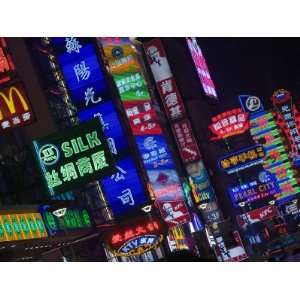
(242, 159)
(15, 109)
(123, 189)
(288, 119)
(23, 226)
(264, 131)
(229, 123)
(82, 72)
(74, 218)
(78, 155)
(7, 68)
(264, 187)
(135, 238)
(257, 215)
(201, 67)
(152, 146)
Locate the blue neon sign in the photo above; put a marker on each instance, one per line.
(124, 189)
(155, 152)
(84, 77)
(111, 126)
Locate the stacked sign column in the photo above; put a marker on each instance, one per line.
(204, 195)
(151, 143)
(90, 93)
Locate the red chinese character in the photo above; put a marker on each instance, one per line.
(129, 234)
(4, 65)
(116, 238)
(150, 226)
(140, 230)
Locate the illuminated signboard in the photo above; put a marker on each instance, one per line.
(7, 68)
(288, 118)
(124, 189)
(229, 123)
(264, 131)
(257, 215)
(201, 187)
(263, 188)
(75, 218)
(134, 238)
(186, 141)
(90, 93)
(152, 146)
(111, 126)
(242, 159)
(155, 152)
(166, 184)
(78, 155)
(142, 117)
(174, 212)
(164, 79)
(201, 67)
(234, 254)
(15, 108)
(23, 226)
(210, 212)
(251, 104)
(82, 72)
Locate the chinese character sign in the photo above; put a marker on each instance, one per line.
(265, 187)
(76, 156)
(7, 68)
(135, 237)
(229, 123)
(288, 118)
(164, 79)
(242, 159)
(124, 189)
(185, 140)
(174, 212)
(142, 117)
(201, 67)
(82, 72)
(23, 226)
(84, 75)
(155, 152)
(111, 126)
(15, 108)
(264, 130)
(257, 215)
(74, 219)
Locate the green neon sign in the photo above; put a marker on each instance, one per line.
(77, 156)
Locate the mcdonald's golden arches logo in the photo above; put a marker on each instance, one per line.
(15, 109)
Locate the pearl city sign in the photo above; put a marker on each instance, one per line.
(77, 156)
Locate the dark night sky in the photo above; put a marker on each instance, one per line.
(252, 65)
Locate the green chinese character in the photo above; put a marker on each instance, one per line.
(72, 219)
(78, 219)
(24, 227)
(8, 228)
(32, 226)
(16, 227)
(50, 221)
(99, 160)
(84, 166)
(86, 218)
(53, 179)
(2, 236)
(39, 225)
(68, 172)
